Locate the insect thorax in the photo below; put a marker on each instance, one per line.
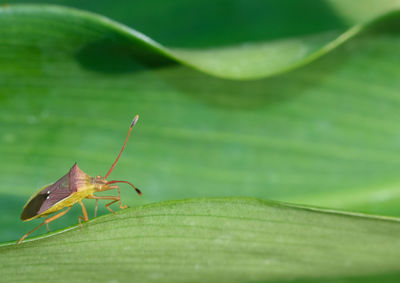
(99, 183)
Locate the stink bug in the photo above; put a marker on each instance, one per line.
(70, 189)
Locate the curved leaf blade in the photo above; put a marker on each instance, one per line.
(250, 60)
(224, 240)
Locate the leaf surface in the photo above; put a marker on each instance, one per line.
(232, 48)
(213, 240)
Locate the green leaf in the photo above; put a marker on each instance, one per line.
(252, 56)
(212, 240)
(70, 82)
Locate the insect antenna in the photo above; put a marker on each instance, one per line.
(126, 140)
(126, 182)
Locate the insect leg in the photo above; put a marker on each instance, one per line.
(47, 226)
(97, 201)
(47, 221)
(27, 234)
(119, 195)
(51, 219)
(85, 215)
(95, 208)
(114, 198)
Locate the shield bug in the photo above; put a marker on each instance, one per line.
(70, 189)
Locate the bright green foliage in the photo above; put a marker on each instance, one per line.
(215, 240)
(289, 124)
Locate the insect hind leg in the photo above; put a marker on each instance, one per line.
(46, 221)
(27, 234)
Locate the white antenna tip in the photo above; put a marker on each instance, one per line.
(135, 120)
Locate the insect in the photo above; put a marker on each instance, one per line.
(70, 189)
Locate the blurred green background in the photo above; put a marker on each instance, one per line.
(325, 134)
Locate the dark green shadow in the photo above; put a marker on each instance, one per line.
(198, 23)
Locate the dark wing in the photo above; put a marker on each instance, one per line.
(32, 207)
(46, 198)
(50, 195)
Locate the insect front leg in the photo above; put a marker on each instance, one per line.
(113, 198)
(119, 196)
